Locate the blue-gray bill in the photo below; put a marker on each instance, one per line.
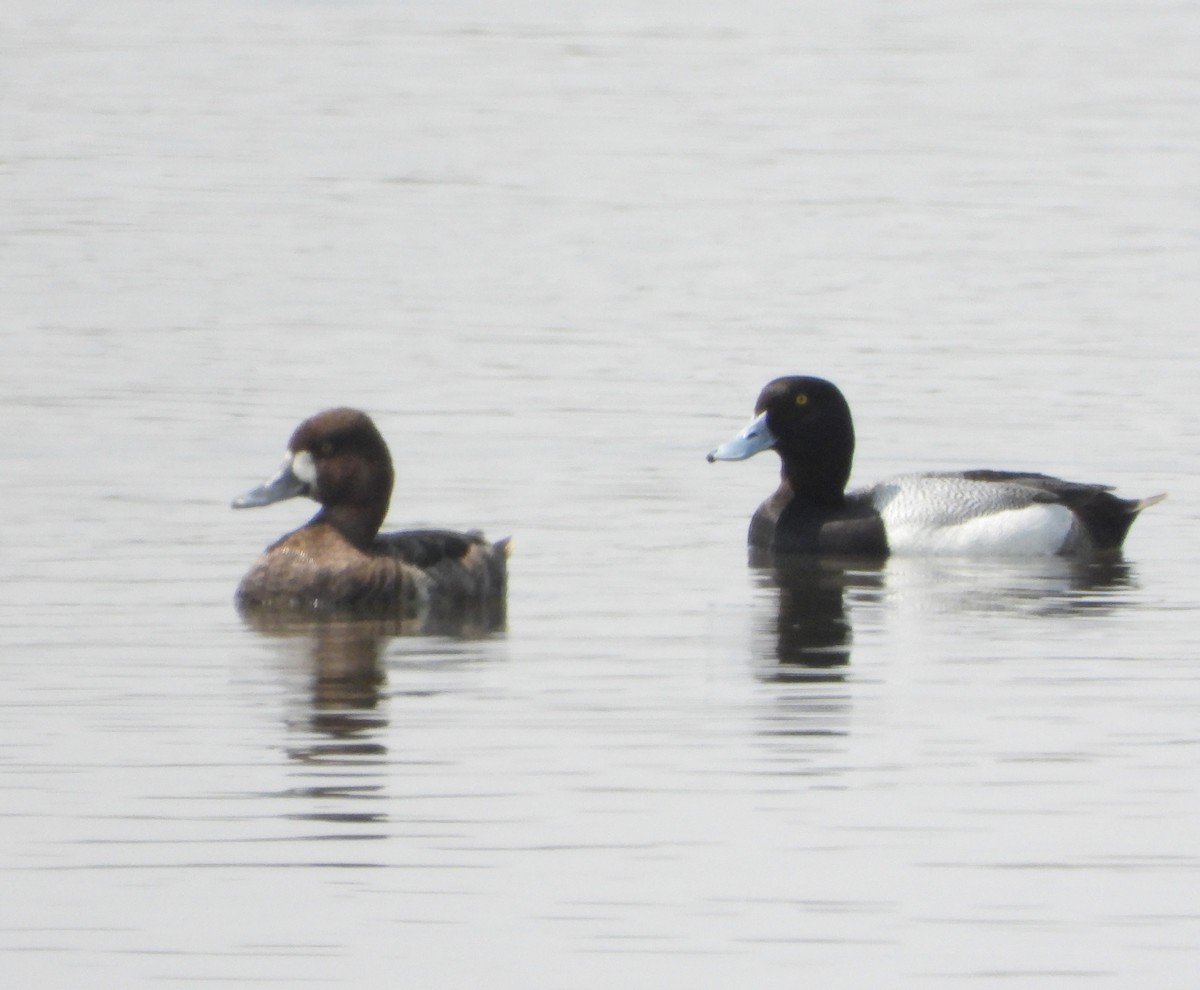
(754, 439)
(283, 484)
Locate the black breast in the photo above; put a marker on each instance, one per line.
(786, 524)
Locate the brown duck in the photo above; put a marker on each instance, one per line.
(339, 561)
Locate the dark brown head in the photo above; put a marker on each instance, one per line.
(339, 459)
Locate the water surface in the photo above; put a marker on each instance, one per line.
(555, 250)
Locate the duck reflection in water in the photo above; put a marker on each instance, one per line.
(343, 655)
(340, 658)
(812, 628)
(1038, 587)
(338, 740)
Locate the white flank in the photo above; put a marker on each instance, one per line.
(954, 516)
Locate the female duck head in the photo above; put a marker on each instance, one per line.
(807, 422)
(339, 459)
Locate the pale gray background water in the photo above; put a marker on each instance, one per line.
(555, 249)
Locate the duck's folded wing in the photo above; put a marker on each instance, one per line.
(425, 548)
(952, 498)
(1053, 489)
(459, 565)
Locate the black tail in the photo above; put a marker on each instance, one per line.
(1107, 518)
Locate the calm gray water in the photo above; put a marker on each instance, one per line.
(555, 249)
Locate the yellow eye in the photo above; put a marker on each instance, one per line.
(802, 399)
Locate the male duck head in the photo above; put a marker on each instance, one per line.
(807, 422)
(339, 459)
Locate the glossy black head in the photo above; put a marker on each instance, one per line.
(814, 433)
(807, 422)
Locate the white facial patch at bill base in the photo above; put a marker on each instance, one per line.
(305, 468)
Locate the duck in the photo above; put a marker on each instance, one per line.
(807, 422)
(339, 561)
